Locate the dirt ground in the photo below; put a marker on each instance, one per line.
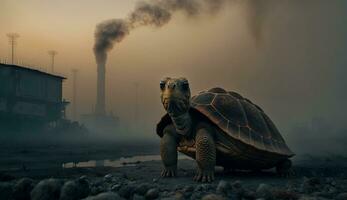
(316, 177)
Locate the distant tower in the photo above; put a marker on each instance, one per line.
(52, 53)
(13, 41)
(74, 93)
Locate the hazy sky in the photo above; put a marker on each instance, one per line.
(296, 73)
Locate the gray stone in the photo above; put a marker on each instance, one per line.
(48, 189)
(108, 177)
(152, 193)
(310, 185)
(142, 188)
(264, 191)
(237, 189)
(223, 187)
(105, 196)
(138, 197)
(127, 191)
(116, 187)
(308, 198)
(188, 188)
(22, 189)
(213, 197)
(74, 190)
(97, 189)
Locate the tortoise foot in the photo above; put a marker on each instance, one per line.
(169, 171)
(205, 176)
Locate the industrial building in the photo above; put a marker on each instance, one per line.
(30, 97)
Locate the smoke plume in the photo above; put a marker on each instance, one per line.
(158, 13)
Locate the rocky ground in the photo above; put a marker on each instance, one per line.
(316, 178)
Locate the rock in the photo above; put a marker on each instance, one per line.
(152, 193)
(236, 184)
(237, 189)
(142, 188)
(310, 185)
(188, 188)
(138, 197)
(308, 198)
(168, 198)
(204, 187)
(179, 195)
(97, 190)
(342, 196)
(212, 197)
(249, 194)
(74, 190)
(6, 190)
(108, 177)
(285, 194)
(127, 191)
(48, 189)
(264, 191)
(116, 187)
(22, 189)
(105, 196)
(223, 187)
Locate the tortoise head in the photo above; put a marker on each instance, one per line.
(175, 95)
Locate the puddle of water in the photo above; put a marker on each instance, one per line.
(121, 162)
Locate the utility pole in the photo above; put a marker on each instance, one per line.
(74, 93)
(52, 53)
(13, 41)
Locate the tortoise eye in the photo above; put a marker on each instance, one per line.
(162, 85)
(185, 85)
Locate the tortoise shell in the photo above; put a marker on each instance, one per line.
(240, 119)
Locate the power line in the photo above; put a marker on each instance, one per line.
(52, 53)
(13, 41)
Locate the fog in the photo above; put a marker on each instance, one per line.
(294, 68)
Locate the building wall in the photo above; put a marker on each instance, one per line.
(6, 81)
(26, 93)
(38, 86)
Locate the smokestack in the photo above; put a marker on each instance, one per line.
(106, 34)
(100, 93)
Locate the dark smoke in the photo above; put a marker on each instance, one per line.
(157, 13)
(106, 34)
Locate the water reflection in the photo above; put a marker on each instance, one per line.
(128, 161)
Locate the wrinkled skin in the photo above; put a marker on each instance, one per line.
(175, 97)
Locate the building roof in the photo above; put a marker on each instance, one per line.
(32, 70)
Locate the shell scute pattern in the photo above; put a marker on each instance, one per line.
(240, 119)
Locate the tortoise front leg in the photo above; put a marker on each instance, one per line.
(168, 152)
(205, 155)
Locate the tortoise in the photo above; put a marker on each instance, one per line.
(217, 127)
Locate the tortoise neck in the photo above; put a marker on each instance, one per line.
(182, 123)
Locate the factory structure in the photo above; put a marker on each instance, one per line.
(32, 99)
(99, 121)
(29, 97)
